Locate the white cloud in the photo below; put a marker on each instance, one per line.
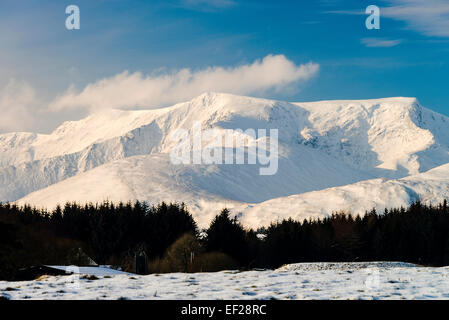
(16, 106)
(380, 42)
(272, 73)
(205, 4)
(429, 17)
(347, 12)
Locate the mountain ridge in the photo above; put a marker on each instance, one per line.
(323, 144)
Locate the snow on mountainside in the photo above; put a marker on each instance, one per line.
(132, 179)
(431, 187)
(326, 145)
(393, 134)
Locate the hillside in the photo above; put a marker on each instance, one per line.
(333, 155)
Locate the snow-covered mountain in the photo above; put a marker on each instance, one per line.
(333, 155)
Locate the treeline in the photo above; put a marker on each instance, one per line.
(418, 234)
(107, 233)
(112, 233)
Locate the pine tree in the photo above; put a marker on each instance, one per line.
(226, 234)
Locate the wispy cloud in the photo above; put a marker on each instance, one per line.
(16, 106)
(376, 63)
(347, 12)
(429, 17)
(272, 73)
(380, 42)
(207, 5)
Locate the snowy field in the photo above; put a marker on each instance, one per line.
(382, 280)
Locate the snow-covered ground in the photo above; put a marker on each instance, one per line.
(92, 271)
(379, 280)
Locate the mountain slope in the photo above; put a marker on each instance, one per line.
(431, 187)
(205, 190)
(393, 135)
(124, 155)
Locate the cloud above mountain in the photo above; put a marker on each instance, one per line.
(274, 73)
(380, 42)
(430, 17)
(16, 101)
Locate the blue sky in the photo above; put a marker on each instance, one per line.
(41, 59)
